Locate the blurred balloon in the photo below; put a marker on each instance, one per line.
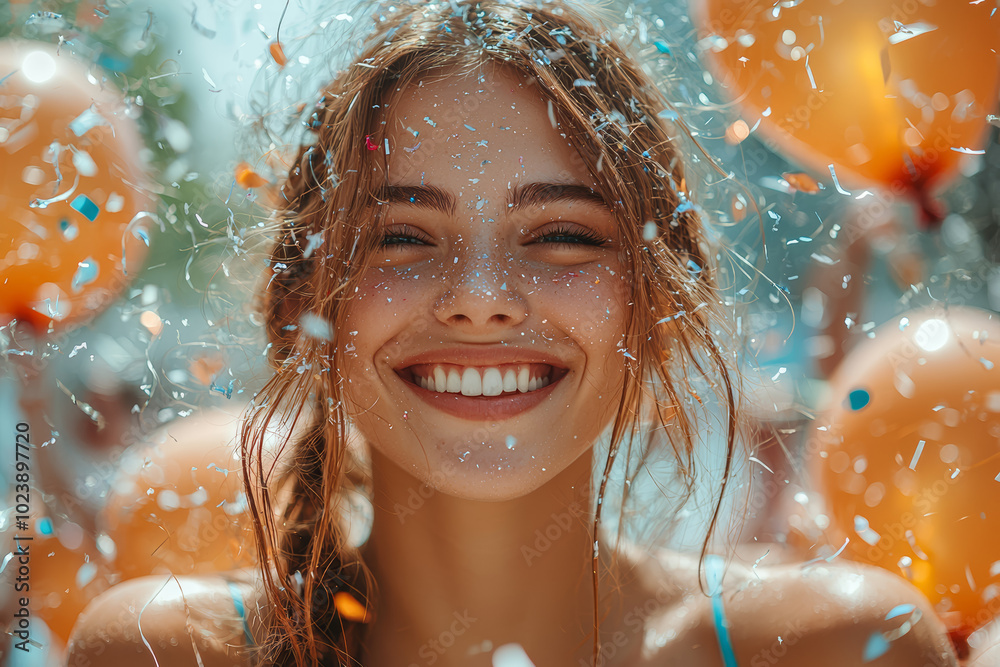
(65, 571)
(882, 91)
(179, 506)
(907, 454)
(73, 227)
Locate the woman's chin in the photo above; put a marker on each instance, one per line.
(488, 473)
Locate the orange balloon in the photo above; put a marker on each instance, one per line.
(64, 570)
(178, 506)
(908, 455)
(888, 91)
(72, 229)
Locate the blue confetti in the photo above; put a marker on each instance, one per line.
(662, 47)
(68, 229)
(86, 121)
(45, 526)
(86, 273)
(86, 206)
(470, 128)
(225, 391)
(858, 399)
(900, 609)
(876, 646)
(112, 62)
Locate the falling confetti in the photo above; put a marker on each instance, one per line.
(86, 207)
(877, 645)
(802, 183)
(905, 32)
(348, 607)
(858, 399)
(86, 273)
(511, 655)
(278, 53)
(247, 178)
(86, 121)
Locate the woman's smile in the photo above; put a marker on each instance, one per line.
(492, 384)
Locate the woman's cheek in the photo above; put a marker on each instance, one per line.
(385, 312)
(590, 303)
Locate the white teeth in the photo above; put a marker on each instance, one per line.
(522, 379)
(454, 382)
(492, 382)
(510, 381)
(472, 383)
(440, 379)
(477, 381)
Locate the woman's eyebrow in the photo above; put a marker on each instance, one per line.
(528, 195)
(524, 195)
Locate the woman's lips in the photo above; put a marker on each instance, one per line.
(483, 408)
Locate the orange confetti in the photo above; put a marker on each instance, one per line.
(739, 206)
(152, 322)
(737, 132)
(205, 368)
(696, 396)
(278, 53)
(247, 178)
(349, 608)
(802, 183)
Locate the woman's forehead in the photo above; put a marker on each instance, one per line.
(491, 123)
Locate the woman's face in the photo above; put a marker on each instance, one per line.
(486, 335)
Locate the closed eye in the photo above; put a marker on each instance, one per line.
(408, 236)
(570, 236)
(404, 236)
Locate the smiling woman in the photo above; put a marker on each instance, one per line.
(503, 240)
(488, 263)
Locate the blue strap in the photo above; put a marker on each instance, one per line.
(715, 567)
(234, 590)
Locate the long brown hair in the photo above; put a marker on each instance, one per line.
(617, 122)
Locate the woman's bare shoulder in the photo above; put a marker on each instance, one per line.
(843, 612)
(793, 614)
(175, 619)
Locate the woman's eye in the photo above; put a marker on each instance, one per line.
(568, 236)
(404, 236)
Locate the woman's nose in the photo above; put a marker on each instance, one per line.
(480, 294)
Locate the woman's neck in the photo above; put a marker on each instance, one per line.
(457, 578)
